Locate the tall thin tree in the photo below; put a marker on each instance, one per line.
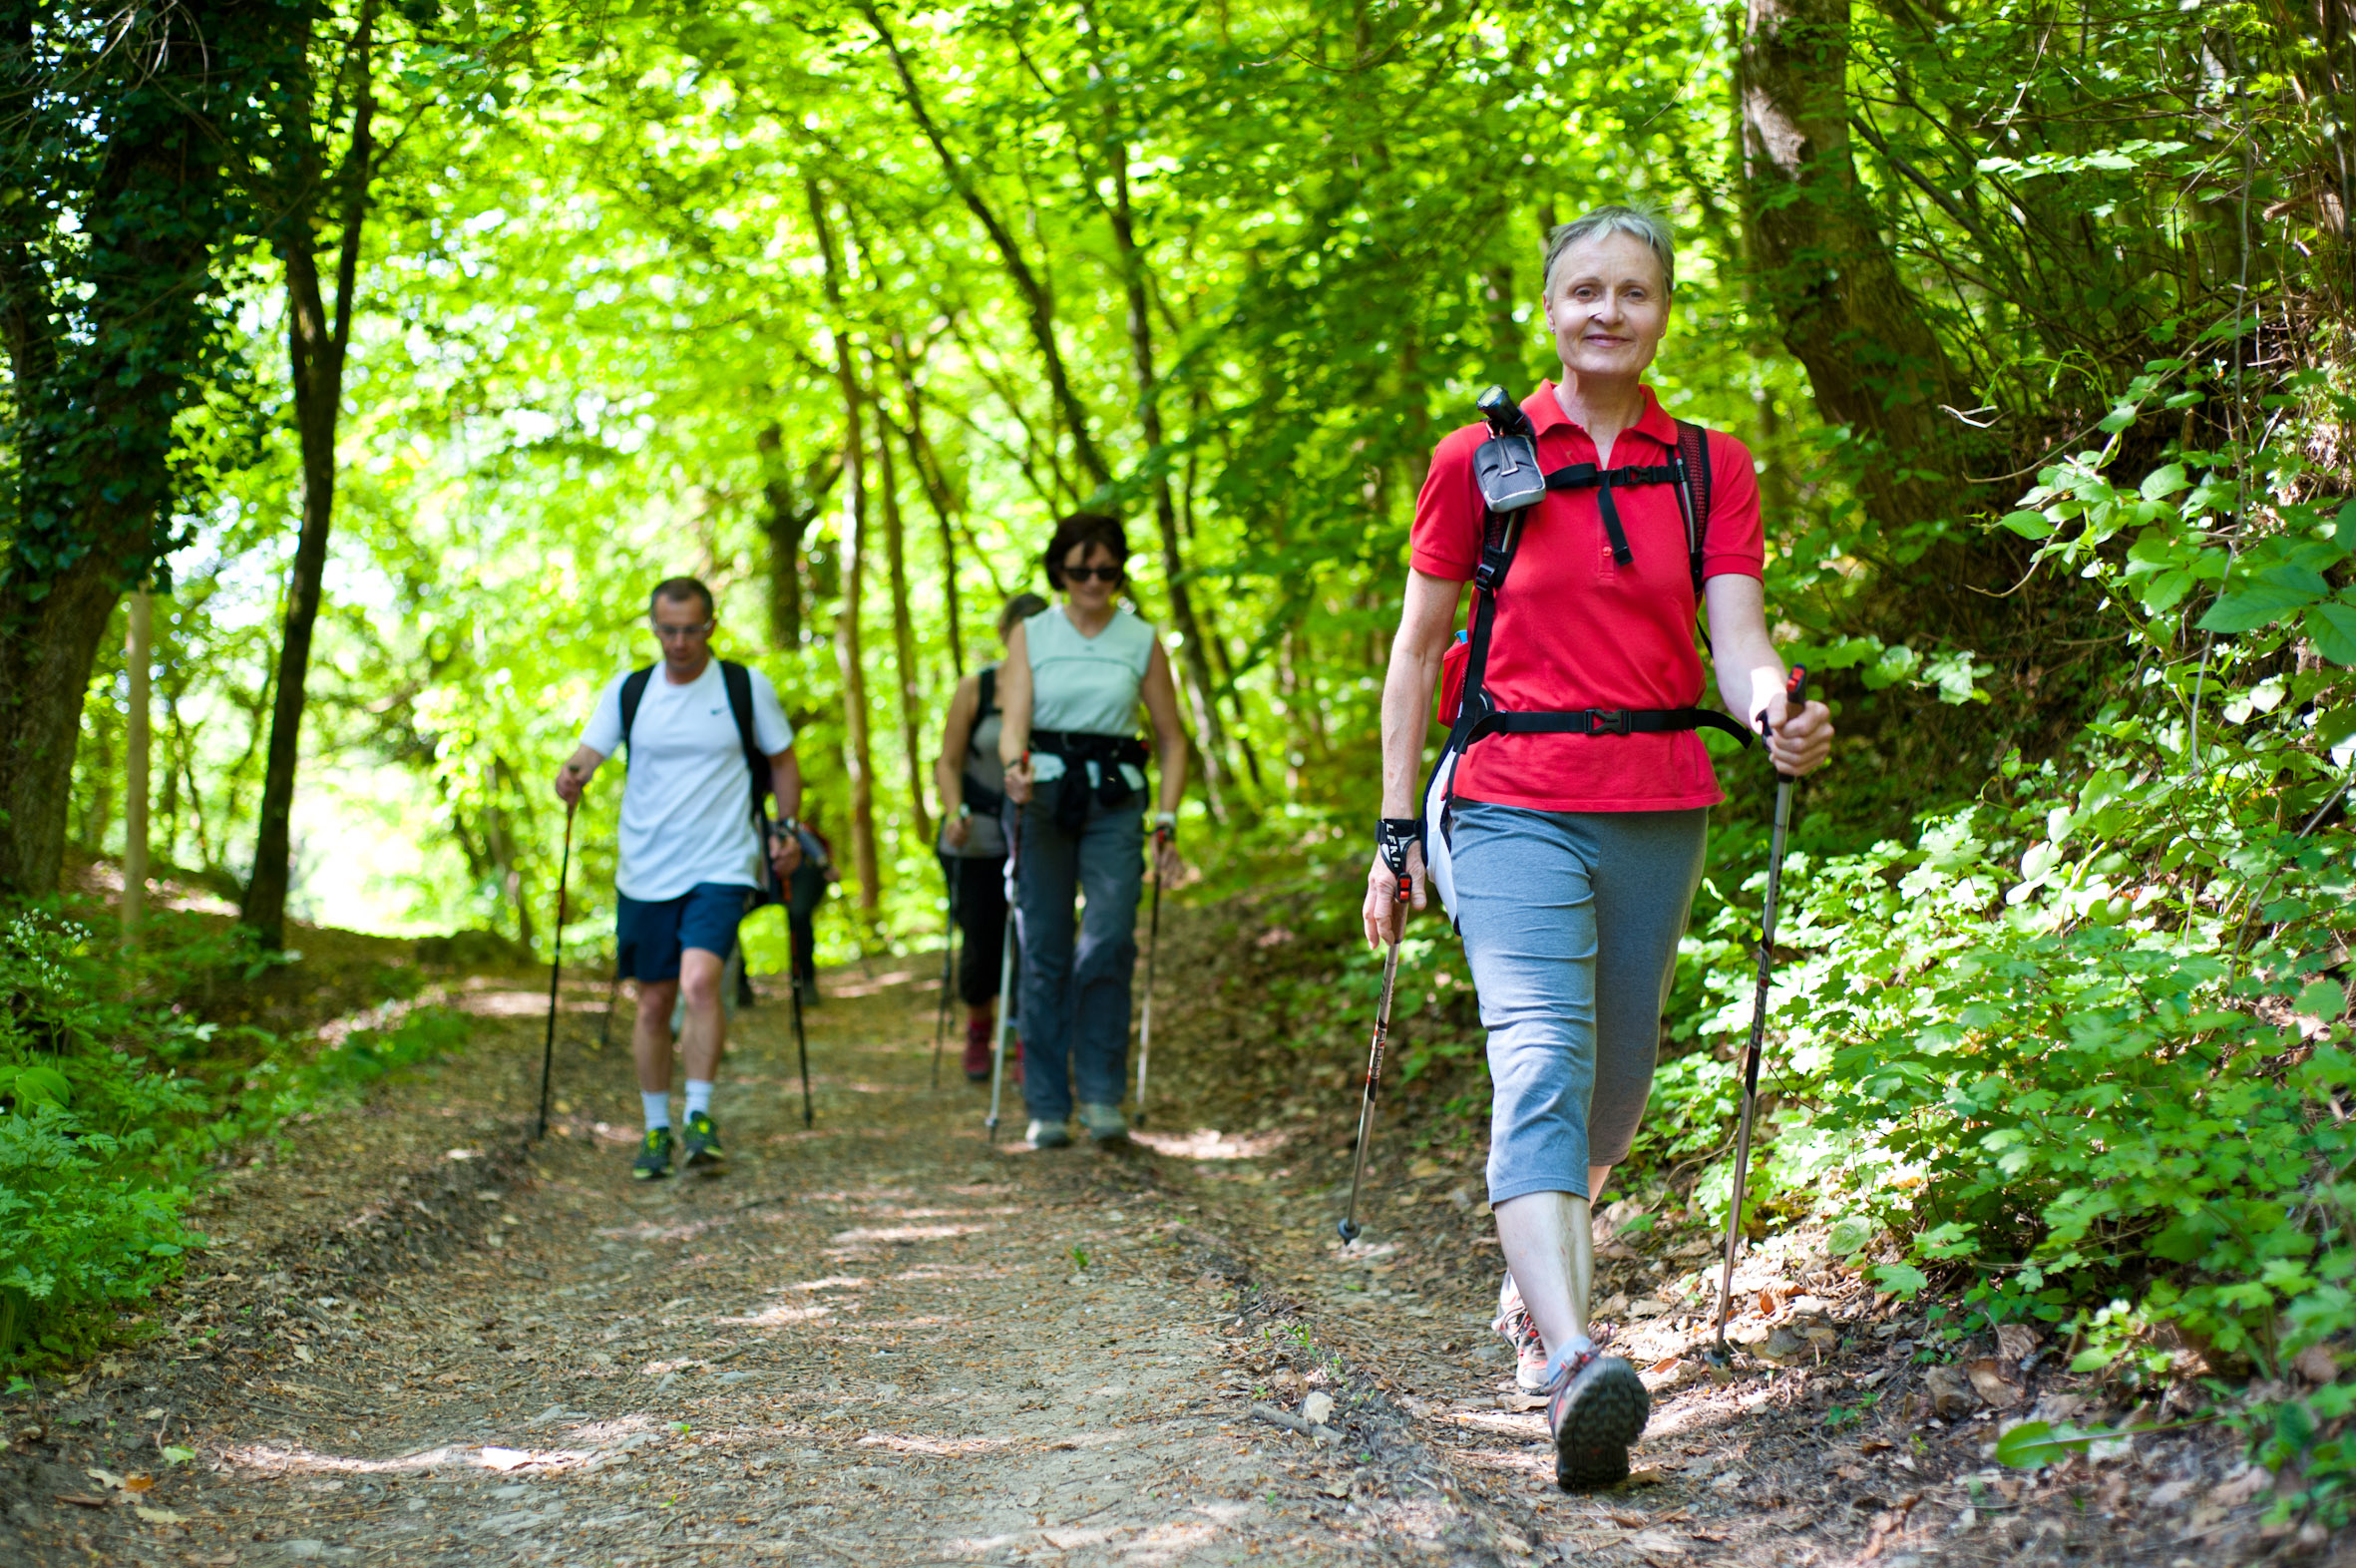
(859, 753)
(317, 346)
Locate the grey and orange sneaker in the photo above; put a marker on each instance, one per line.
(701, 1149)
(1598, 1411)
(1529, 1350)
(654, 1156)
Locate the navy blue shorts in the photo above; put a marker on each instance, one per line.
(650, 936)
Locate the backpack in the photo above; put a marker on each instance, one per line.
(1512, 483)
(739, 682)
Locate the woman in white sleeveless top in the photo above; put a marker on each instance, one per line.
(973, 846)
(1073, 677)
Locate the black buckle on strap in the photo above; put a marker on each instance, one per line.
(1611, 721)
(1493, 561)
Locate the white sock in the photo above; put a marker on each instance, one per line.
(700, 1096)
(658, 1109)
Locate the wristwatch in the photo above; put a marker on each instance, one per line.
(1166, 822)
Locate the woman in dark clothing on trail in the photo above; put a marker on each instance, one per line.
(971, 785)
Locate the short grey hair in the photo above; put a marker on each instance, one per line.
(1636, 223)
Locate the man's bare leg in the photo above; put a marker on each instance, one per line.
(706, 1034)
(702, 976)
(651, 1037)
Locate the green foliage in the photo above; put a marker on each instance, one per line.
(114, 1111)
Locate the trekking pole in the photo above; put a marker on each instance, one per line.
(802, 1044)
(948, 952)
(998, 1047)
(1153, 946)
(1720, 1354)
(1366, 1110)
(556, 969)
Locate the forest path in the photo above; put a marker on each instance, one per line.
(872, 1342)
(876, 1341)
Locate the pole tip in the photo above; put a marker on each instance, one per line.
(1348, 1230)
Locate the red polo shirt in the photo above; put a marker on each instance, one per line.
(1575, 630)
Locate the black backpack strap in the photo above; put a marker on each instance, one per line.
(990, 693)
(1693, 490)
(633, 693)
(739, 682)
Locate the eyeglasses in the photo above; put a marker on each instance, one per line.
(680, 633)
(1095, 574)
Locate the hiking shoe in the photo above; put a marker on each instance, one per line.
(1599, 1408)
(1048, 1135)
(1529, 1348)
(1105, 1123)
(701, 1149)
(977, 1033)
(654, 1156)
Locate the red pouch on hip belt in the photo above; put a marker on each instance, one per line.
(1451, 677)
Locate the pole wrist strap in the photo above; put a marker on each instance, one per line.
(1392, 836)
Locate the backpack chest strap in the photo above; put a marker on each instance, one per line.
(1603, 481)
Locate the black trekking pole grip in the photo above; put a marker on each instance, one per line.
(547, 1046)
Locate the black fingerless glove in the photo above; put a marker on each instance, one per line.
(1392, 836)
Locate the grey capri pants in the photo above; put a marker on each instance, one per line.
(1570, 921)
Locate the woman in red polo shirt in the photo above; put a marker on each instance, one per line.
(1576, 854)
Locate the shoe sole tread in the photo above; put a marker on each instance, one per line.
(1598, 1424)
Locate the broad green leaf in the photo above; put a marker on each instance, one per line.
(2332, 628)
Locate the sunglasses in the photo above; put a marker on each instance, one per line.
(1095, 574)
(680, 634)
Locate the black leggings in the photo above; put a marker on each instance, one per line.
(977, 894)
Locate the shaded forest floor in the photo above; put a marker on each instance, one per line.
(884, 1340)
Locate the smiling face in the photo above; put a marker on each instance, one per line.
(1093, 591)
(1608, 307)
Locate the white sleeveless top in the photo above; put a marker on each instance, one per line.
(1088, 685)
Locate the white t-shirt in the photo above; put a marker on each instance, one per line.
(686, 807)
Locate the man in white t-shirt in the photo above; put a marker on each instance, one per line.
(706, 739)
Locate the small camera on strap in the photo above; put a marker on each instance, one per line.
(1506, 465)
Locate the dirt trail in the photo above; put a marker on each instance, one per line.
(877, 1341)
(883, 1341)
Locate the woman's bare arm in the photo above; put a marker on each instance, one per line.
(1751, 675)
(1427, 620)
(1160, 691)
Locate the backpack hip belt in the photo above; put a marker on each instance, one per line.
(1077, 748)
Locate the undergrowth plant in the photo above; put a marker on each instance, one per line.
(113, 1110)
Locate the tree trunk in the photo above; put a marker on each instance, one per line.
(1873, 359)
(316, 347)
(919, 453)
(1194, 656)
(904, 635)
(784, 523)
(1040, 309)
(858, 753)
(787, 522)
(102, 356)
(138, 655)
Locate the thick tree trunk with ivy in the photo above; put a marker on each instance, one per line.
(1873, 359)
(109, 333)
